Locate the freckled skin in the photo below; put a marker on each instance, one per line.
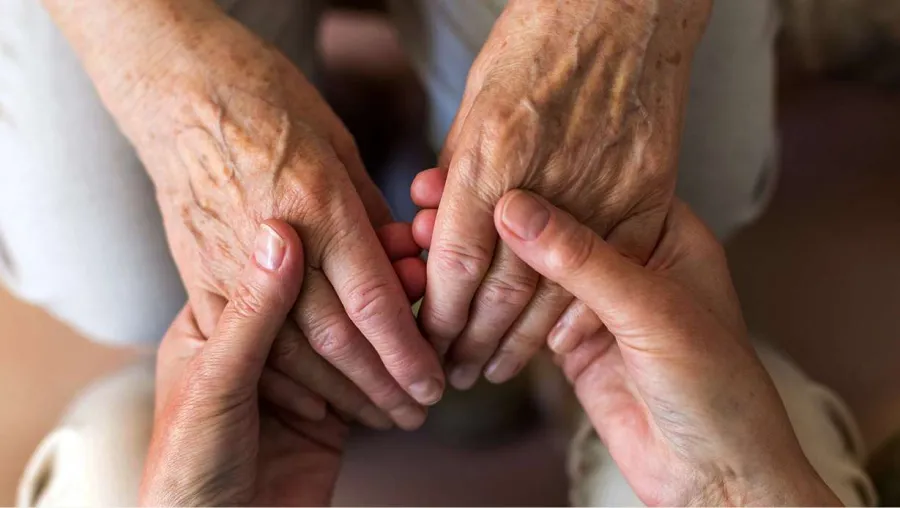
(580, 101)
(232, 133)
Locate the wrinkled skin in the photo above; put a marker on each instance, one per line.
(670, 382)
(671, 385)
(580, 101)
(215, 440)
(218, 438)
(231, 133)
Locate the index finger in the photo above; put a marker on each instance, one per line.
(356, 265)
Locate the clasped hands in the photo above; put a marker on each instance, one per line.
(581, 103)
(670, 384)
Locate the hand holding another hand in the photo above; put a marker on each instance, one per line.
(219, 438)
(232, 133)
(671, 383)
(580, 102)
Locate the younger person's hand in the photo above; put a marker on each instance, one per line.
(671, 384)
(222, 434)
(215, 440)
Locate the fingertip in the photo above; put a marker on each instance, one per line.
(274, 235)
(428, 187)
(423, 227)
(411, 272)
(576, 324)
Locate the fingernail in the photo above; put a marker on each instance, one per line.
(269, 250)
(408, 417)
(561, 339)
(501, 370)
(373, 417)
(464, 377)
(525, 215)
(427, 392)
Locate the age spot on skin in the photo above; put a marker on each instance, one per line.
(674, 59)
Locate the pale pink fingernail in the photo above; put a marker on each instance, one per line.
(427, 392)
(525, 216)
(463, 377)
(269, 249)
(562, 338)
(502, 370)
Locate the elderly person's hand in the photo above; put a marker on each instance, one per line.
(217, 439)
(232, 133)
(671, 384)
(580, 101)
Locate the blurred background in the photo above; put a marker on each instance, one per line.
(817, 274)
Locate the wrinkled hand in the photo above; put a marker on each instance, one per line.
(671, 385)
(215, 442)
(218, 438)
(232, 133)
(580, 101)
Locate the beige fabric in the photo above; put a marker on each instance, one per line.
(96, 455)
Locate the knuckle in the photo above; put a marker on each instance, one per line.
(465, 262)
(331, 337)
(507, 132)
(522, 343)
(305, 190)
(371, 303)
(497, 292)
(247, 300)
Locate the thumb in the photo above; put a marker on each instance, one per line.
(236, 353)
(561, 249)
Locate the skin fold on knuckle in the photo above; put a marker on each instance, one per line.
(506, 290)
(463, 262)
(330, 336)
(251, 298)
(501, 152)
(375, 304)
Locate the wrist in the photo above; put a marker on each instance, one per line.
(687, 17)
(126, 44)
(800, 486)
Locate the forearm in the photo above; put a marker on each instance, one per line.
(124, 44)
(680, 22)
